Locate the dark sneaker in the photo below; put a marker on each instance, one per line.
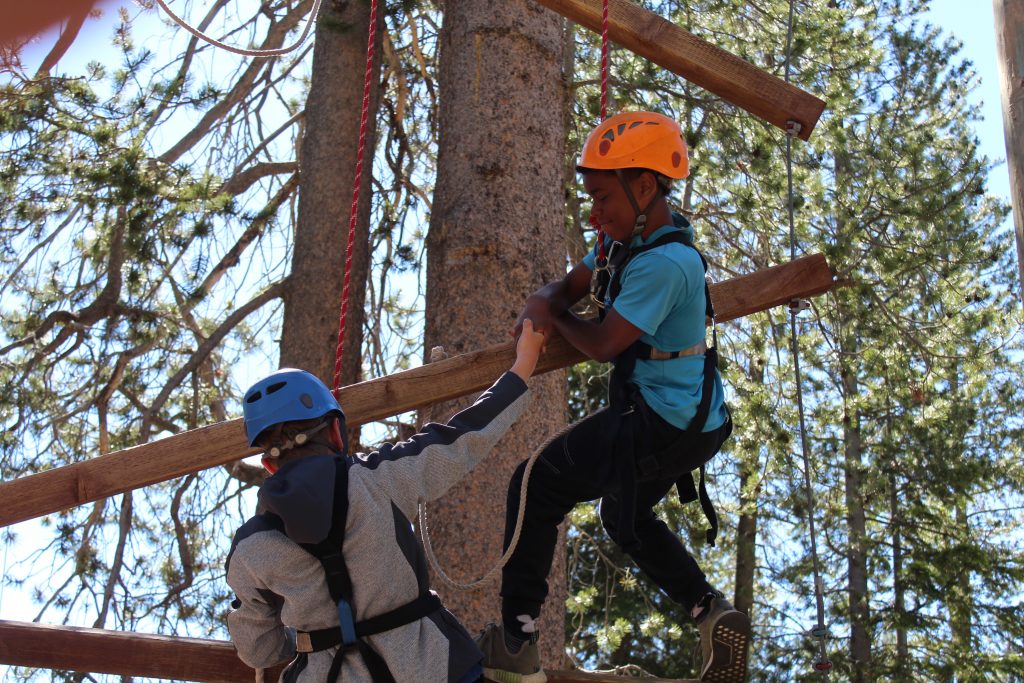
(501, 666)
(724, 639)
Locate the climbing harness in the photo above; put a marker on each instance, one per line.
(273, 52)
(350, 635)
(623, 397)
(819, 631)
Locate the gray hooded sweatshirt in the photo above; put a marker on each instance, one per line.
(280, 587)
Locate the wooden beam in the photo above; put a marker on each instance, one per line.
(93, 650)
(734, 80)
(587, 677)
(222, 443)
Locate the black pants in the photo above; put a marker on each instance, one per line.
(577, 465)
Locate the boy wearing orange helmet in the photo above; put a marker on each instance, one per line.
(666, 415)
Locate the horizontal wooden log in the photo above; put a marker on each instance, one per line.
(587, 677)
(733, 79)
(218, 444)
(93, 650)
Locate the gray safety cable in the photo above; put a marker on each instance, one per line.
(820, 631)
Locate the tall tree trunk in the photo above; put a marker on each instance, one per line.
(746, 535)
(327, 161)
(899, 591)
(960, 600)
(1009, 21)
(960, 610)
(857, 576)
(750, 490)
(896, 522)
(496, 234)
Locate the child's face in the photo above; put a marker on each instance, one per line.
(611, 208)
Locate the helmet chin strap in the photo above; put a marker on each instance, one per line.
(299, 439)
(640, 224)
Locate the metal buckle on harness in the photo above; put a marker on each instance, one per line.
(595, 282)
(303, 643)
(602, 267)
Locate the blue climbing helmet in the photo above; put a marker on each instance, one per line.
(288, 395)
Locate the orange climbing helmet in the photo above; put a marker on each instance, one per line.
(637, 139)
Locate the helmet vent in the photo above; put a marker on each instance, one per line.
(306, 400)
(253, 397)
(277, 386)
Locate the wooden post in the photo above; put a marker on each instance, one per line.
(1009, 26)
(222, 443)
(734, 80)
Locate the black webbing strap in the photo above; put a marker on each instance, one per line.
(331, 556)
(673, 237)
(620, 435)
(700, 418)
(621, 402)
(424, 605)
(689, 493)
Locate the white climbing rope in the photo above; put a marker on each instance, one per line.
(273, 52)
(514, 541)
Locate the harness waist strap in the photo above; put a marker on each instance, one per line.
(325, 638)
(698, 349)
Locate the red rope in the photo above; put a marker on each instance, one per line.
(371, 40)
(604, 113)
(604, 61)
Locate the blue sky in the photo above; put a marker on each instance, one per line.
(976, 29)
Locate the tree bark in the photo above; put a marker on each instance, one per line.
(961, 613)
(747, 524)
(327, 161)
(495, 236)
(853, 464)
(856, 559)
(1009, 26)
(899, 589)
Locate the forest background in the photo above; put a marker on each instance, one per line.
(154, 194)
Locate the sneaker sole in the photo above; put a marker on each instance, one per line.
(499, 676)
(729, 641)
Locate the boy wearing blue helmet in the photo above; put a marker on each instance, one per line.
(330, 573)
